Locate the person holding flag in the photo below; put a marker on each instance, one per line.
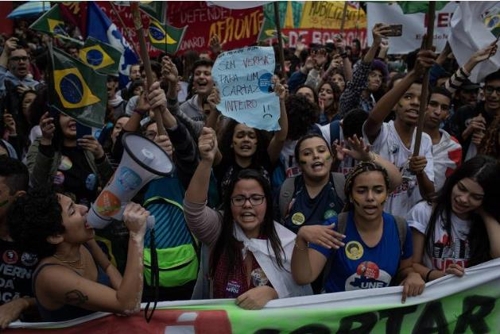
(394, 141)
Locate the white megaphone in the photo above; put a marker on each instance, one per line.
(142, 161)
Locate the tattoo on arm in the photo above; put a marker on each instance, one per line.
(75, 297)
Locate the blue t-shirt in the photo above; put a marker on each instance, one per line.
(305, 210)
(357, 266)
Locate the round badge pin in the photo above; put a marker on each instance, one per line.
(354, 250)
(298, 218)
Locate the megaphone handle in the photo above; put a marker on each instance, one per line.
(150, 222)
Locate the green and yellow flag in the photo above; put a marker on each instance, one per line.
(100, 56)
(77, 90)
(268, 31)
(165, 37)
(51, 22)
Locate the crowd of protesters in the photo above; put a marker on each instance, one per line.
(336, 200)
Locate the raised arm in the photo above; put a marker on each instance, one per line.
(279, 137)
(351, 95)
(457, 79)
(361, 152)
(385, 105)
(76, 290)
(204, 222)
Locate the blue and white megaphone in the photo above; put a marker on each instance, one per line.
(143, 160)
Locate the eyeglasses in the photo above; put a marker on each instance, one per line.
(19, 58)
(490, 89)
(240, 200)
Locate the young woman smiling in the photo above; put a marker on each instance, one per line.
(369, 255)
(460, 227)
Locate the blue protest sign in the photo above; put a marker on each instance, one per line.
(243, 77)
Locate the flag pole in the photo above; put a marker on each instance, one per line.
(431, 13)
(342, 23)
(134, 6)
(280, 40)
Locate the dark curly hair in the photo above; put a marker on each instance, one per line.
(226, 243)
(485, 171)
(490, 144)
(302, 114)
(34, 217)
(226, 140)
(311, 88)
(352, 123)
(15, 174)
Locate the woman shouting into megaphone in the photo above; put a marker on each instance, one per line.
(73, 280)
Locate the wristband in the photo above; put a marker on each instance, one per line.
(171, 101)
(428, 275)
(142, 113)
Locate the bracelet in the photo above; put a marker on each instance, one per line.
(140, 112)
(428, 275)
(299, 248)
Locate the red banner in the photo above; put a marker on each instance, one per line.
(320, 36)
(235, 28)
(163, 321)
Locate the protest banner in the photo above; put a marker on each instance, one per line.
(449, 305)
(243, 77)
(235, 28)
(321, 21)
(414, 26)
(473, 27)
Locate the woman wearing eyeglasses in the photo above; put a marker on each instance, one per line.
(249, 253)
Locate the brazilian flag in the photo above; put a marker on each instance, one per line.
(100, 56)
(268, 31)
(164, 37)
(77, 90)
(51, 22)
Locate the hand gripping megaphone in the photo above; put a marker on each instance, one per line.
(142, 161)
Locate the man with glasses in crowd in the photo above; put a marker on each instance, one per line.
(469, 123)
(15, 76)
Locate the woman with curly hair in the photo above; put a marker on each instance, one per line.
(74, 277)
(249, 252)
(369, 253)
(460, 228)
(490, 144)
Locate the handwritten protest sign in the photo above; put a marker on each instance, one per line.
(243, 77)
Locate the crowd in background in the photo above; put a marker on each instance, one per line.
(336, 200)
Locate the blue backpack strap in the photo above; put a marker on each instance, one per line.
(402, 226)
(334, 131)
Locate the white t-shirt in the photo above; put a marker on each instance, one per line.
(389, 146)
(446, 249)
(288, 154)
(447, 157)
